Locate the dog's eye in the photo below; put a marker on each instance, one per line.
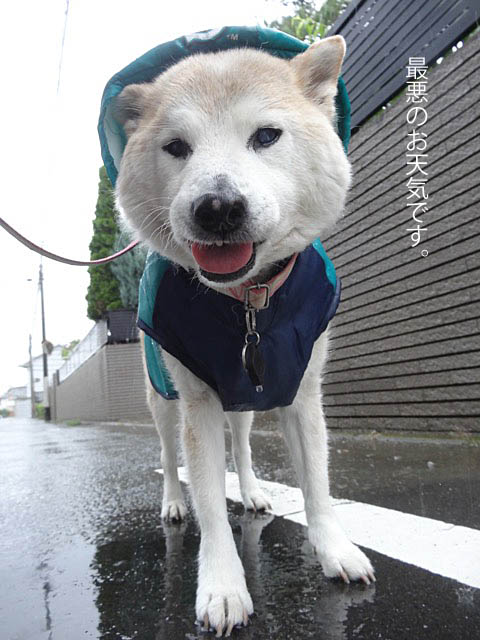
(178, 149)
(264, 137)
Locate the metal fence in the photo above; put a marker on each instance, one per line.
(95, 338)
(382, 34)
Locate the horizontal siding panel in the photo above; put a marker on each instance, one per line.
(401, 295)
(456, 424)
(377, 314)
(372, 326)
(452, 378)
(346, 347)
(405, 367)
(426, 409)
(444, 238)
(444, 186)
(445, 249)
(412, 274)
(408, 353)
(445, 191)
(448, 228)
(406, 396)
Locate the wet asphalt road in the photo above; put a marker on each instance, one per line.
(84, 554)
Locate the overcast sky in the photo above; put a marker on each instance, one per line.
(50, 150)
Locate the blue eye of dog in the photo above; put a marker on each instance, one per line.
(265, 137)
(178, 149)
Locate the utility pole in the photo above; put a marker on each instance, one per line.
(46, 397)
(32, 381)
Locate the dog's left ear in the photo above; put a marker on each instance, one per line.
(317, 71)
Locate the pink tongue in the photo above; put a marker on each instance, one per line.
(225, 259)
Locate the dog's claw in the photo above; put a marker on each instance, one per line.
(206, 624)
(344, 577)
(371, 575)
(245, 618)
(219, 631)
(229, 629)
(365, 580)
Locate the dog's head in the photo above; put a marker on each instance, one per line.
(232, 162)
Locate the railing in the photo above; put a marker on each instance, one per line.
(381, 35)
(93, 341)
(118, 327)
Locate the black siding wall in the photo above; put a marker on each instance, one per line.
(405, 342)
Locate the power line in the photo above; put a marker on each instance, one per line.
(63, 45)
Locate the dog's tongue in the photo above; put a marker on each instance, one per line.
(225, 259)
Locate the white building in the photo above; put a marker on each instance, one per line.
(54, 362)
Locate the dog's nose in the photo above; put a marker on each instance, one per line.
(218, 214)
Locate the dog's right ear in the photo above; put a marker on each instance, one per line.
(317, 71)
(130, 105)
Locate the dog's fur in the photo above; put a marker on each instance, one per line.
(294, 190)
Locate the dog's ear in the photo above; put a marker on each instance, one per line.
(130, 105)
(317, 71)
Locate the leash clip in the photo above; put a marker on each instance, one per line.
(256, 287)
(252, 359)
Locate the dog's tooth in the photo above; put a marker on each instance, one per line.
(218, 243)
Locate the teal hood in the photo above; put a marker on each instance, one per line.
(157, 60)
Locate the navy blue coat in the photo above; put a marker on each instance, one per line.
(205, 329)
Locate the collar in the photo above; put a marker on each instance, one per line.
(259, 298)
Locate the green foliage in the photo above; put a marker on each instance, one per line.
(68, 348)
(40, 411)
(103, 291)
(307, 22)
(128, 270)
(4, 413)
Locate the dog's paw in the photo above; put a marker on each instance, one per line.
(256, 500)
(173, 510)
(348, 562)
(223, 610)
(339, 557)
(223, 605)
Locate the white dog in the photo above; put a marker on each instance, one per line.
(232, 167)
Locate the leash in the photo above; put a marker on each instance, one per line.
(53, 256)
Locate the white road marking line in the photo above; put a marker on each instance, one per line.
(440, 547)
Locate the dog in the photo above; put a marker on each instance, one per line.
(232, 169)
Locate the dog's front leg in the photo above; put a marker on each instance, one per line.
(252, 496)
(304, 428)
(222, 596)
(223, 600)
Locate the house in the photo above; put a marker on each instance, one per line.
(17, 402)
(54, 361)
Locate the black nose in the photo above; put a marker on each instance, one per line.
(218, 214)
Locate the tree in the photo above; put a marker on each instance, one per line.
(103, 292)
(128, 270)
(68, 348)
(307, 22)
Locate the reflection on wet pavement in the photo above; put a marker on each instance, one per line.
(84, 554)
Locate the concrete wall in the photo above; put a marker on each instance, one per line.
(108, 386)
(406, 350)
